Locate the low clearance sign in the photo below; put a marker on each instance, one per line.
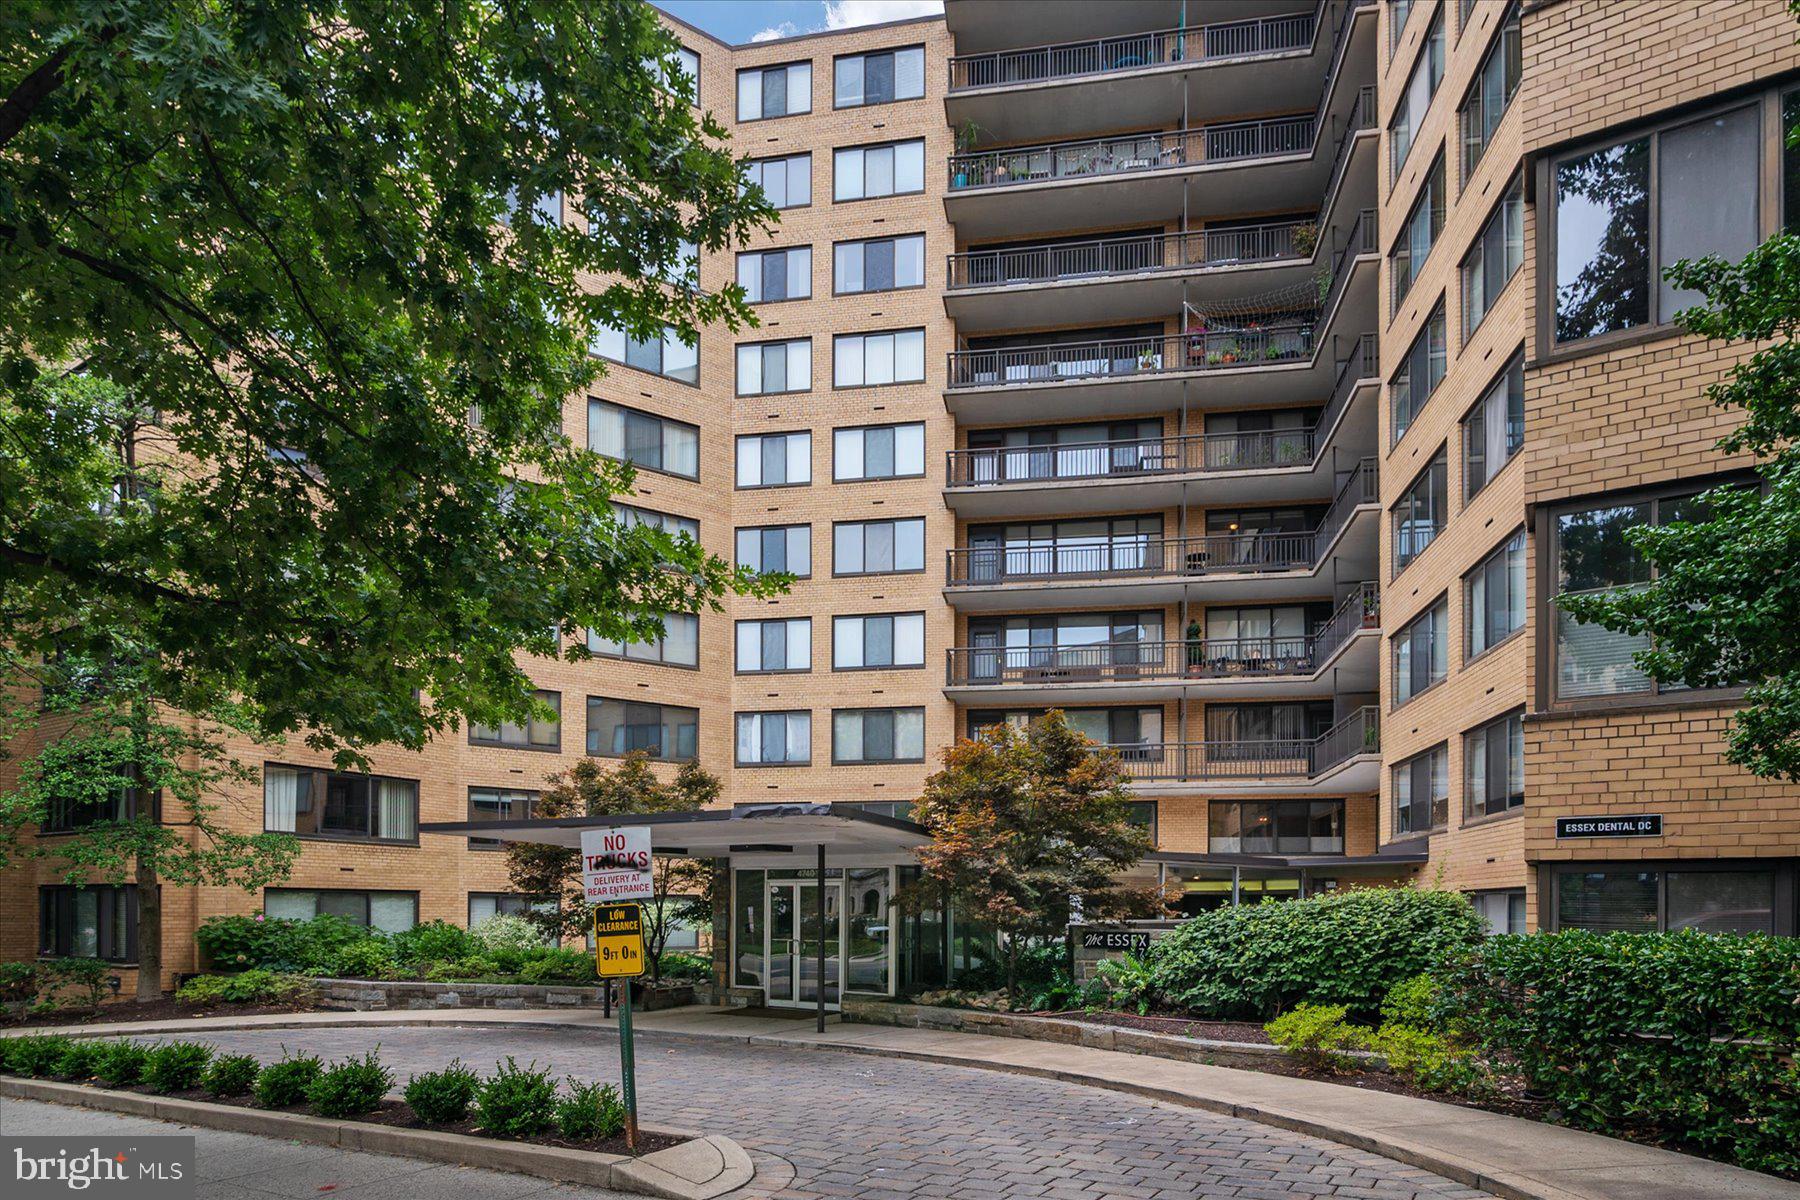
(615, 864)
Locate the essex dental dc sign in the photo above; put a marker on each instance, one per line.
(144, 1168)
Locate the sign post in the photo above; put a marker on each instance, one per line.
(616, 869)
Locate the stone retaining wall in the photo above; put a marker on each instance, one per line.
(362, 995)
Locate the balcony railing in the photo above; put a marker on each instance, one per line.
(1130, 255)
(1100, 56)
(1212, 554)
(1000, 465)
(1120, 662)
(1362, 486)
(1287, 758)
(1358, 611)
(1228, 141)
(1197, 350)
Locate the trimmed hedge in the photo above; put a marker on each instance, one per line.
(1342, 948)
(1687, 1038)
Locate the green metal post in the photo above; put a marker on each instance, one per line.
(628, 1071)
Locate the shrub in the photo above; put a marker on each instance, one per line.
(81, 1061)
(87, 976)
(176, 1067)
(278, 945)
(515, 1101)
(18, 983)
(367, 959)
(463, 968)
(508, 940)
(434, 941)
(443, 1097)
(35, 1054)
(1318, 1036)
(122, 1064)
(232, 1075)
(284, 1084)
(675, 964)
(1412, 1002)
(1431, 1061)
(1128, 982)
(1345, 948)
(590, 1110)
(350, 1088)
(254, 986)
(558, 966)
(1681, 1037)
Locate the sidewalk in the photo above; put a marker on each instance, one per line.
(1507, 1156)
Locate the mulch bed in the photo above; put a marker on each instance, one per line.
(166, 1009)
(1213, 1031)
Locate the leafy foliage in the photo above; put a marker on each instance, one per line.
(1432, 1061)
(432, 941)
(19, 982)
(679, 965)
(1318, 1035)
(232, 1075)
(558, 965)
(278, 945)
(350, 1088)
(1127, 982)
(34, 1054)
(442, 1097)
(284, 1084)
(81, 1061)
(370, 958)
(176, 1066)
(1412, 1002)
(507, 939)
(515, 1101)
(247, 987)
(589, 1110)
(123, 1064)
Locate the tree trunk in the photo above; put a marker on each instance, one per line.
(149, 933)
(1012, 965)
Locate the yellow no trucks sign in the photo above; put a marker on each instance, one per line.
(618, 940)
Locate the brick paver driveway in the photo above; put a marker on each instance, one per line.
(886, 1129)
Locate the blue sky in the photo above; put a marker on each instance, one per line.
(739, 21)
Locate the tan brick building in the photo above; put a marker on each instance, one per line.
(1198, 358)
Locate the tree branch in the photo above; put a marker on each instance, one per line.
(16, 110)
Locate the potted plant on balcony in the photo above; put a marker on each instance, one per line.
(1306, 238)
(966, 135)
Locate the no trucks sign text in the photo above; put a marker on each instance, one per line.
(615, 864)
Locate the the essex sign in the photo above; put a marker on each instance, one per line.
(615, 864)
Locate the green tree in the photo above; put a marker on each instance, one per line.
(1025, 827)
(683, 887)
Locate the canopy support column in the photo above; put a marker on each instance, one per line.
(821, 891)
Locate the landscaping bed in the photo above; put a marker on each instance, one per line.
(124, 1012)
(1180, 1026)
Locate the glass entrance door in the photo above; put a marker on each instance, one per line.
(795, 934)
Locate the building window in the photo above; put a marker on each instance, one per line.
(1615, 898)
(1504, 912)
(771, 368)
(774, 739)
(644, 439)
(1419, 516)
(1494, 430)
(1422, 792)
(1494, 767)
(876, 735)
(1418, 235)
(1495, 258)
(631, 516)
(538, 733)
(782, 91)
(1705, 202)
(1398, 12)
(667, 356)
(774, 459)
(67, 814)
(1093, 546)
(1790, 165)
(483, 905)
(1496, 596)
(663, 731)
(1275, 827)
(388, 912)
(879, 78)
(891, 169)
(878, 265)
(878, 547)
(1495, 85)
(776, 645)
(776, 548)
(771, 275)
(1422, 652)
(96, 921)
(312, 802)
(498, 804)
(878, 452)
(678, 646)
(878, 642)
(871, 359)
(1420, 373)
(1421, 86)
(786, 182)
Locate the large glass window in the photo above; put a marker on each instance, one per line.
(878, 642)
(631, 516)
(1419, 373)
(879, 77)
(1098, 545)
(1705, 203)
(774, 739)
(1418, 235)
(878, 452)
(1419, 515)
(539, 733)
(782, 644)
(786, 182)
(667, 355)
(1422, 792)
(774, 91)
(771, 368)
(772, 548)
(340, 804)
(1495, 85)
(1496, 596)
(679, 645)
(96, 921)
(1494, 766)
(1422, 652)
(1494, 258)
(878, 547)
(498, 804)
(774, 459)
(890, 169)
(483, 905)
(870, 359)
(1618, 898)
(1398, 12)
(878, 265)
(644, 439)
(771, 275)
(66, 814)
(1421, 86)
(388, 912)
(1494, 430)
(871, 735)
(665, 731)
(1275, 827)
(1504, 912)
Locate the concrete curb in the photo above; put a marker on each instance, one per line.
(701, 1169)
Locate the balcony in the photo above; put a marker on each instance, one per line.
(1344, 758)
(1132, 52)
(1087, 259)
(1232, 141)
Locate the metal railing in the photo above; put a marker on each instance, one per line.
(1283, 758)
(1360, 241)
(1362, 486)
(1208, 554)
(1099, 56)
(1117, 662)
(1130, 255)
(1196, 350)
(1358, 611)
(1232, 140)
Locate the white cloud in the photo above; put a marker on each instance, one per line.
(844, 14)
(785, 29)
